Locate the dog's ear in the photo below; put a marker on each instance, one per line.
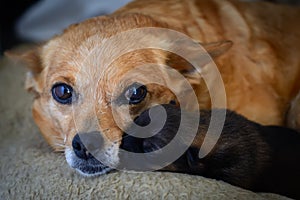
(32, 60)
(199, 56)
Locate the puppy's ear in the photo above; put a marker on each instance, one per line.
(32, 60)
(196, 56)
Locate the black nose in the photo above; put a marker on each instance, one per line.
(85, 145)
(79, 148)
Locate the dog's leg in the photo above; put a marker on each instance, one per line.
(248, 155)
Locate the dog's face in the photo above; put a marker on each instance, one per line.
(82, 91)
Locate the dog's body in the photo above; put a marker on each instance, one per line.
(82, 81)
(262, 69)
(249, 155)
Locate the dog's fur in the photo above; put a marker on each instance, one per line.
(260, 71)
(249, 155)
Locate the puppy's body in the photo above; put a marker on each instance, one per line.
(80, 78)
(247, 154)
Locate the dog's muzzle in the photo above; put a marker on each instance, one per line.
(88, 154)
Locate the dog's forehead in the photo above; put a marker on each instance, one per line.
(104, 27)
(79, 56)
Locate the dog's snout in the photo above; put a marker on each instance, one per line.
(86, 144)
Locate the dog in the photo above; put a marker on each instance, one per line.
(247, 154)
(85, 84)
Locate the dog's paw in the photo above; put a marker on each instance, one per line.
(162, 129)
(155, 143)
(132, 144)
(152, 129)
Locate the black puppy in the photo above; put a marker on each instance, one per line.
(247, 154)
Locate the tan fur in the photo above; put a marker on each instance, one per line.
(261, 70)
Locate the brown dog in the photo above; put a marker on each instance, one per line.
(84, 83)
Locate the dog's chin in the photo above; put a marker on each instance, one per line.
(89, 168)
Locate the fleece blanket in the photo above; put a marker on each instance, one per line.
(29, 169)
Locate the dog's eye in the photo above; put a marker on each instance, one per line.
(62, 93)
(135, 93)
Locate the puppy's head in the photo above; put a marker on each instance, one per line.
(91, 82)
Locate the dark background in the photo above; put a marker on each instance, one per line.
(11, 10)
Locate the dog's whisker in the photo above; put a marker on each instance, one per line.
(57, 137)
(65, 139)
(59, 149)
(59, 145)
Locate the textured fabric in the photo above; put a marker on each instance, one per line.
(31, 170)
